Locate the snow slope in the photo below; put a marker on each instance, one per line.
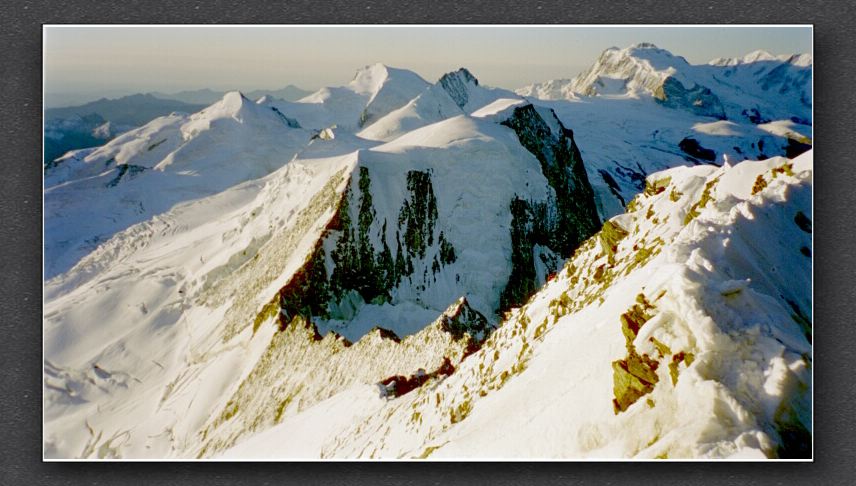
(713, 307)
(150, 324)
(431, 106)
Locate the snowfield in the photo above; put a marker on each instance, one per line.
(400, 269)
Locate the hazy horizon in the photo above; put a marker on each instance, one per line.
(85, 63)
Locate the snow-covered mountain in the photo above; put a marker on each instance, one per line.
(758, 87)
(91, 194)
(394, 268)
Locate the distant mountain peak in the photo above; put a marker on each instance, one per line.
(463, 74)
(455, 84)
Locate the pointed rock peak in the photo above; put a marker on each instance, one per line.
(457, 84)
(463, 75)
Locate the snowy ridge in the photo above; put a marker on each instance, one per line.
(801, 60)
(543, 384)
(649, 110)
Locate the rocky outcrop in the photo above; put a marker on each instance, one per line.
(460, 319)
(699, 99)
(635, 375)
(125, 172)
(693, 148)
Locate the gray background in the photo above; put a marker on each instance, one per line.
(21, 229)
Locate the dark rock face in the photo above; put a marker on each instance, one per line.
(418, 214)
(307, 293)
(693, 148)
(698, 100)
(565, 220)
(125, 171)
(373, 272)
(795, 148)
(754, 116)
(455, 83)
(522, 282)
(364, 266)
(291, 122)
(398, 385)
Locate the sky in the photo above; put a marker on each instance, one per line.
(83, 63)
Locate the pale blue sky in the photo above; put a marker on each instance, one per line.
(116, 60)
